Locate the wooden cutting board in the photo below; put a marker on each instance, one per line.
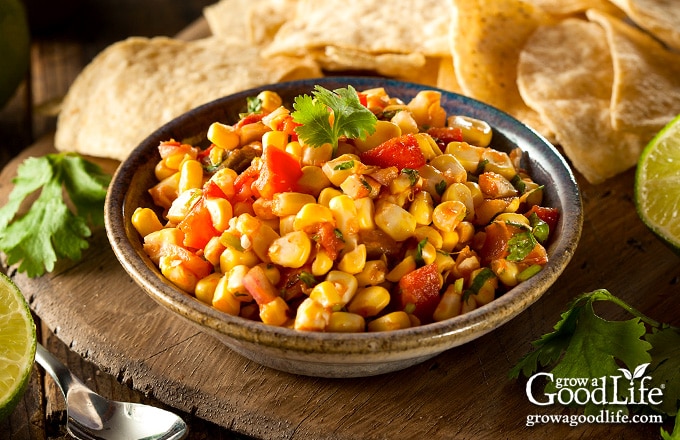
(98, 310)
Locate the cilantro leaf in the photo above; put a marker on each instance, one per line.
(328, 115)
(665, 367)
(50, 230)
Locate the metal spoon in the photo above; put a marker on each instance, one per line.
(92, 417)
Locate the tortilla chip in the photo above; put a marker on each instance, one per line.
(257, 21)
(446, 76)
(486, 40)
(571, 88)
(646, 93)
(573, 7)
(136, 85)
(387, 64)
(661, 18)
(372, 26)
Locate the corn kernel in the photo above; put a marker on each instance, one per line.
(290, 203)
(475, 131)
(353, 261)
(274, 312)
(326, 195)
(313, 180)
(395, 221)
(346, 284)
(146, 221)
(224, 300)
(220, 212)
(447, 215)
(345, 322)
(373, 274)
(369, 301)
(213, 249)
(291, 250)
(276, 139)
(312, 316)
(322, 263)
(392, 321)
(224, 136)
(365, 213)
(327, 295)
(190, 176)
(421, 208)
(408, 264)
(205, 287)
(269, 100)
(312, 214)
(449, 305)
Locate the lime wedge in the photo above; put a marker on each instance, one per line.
(657, 184)
(17, 345)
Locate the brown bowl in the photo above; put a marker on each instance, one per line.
(341, 354)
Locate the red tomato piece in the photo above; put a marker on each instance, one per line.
(288, 126)
(444, 135)
(280, 173)
(420, 288)
(497, 235)
(197, 226)
(250, 118)
(401, 152)
(168, 148)
(211, 189)
(548, 215)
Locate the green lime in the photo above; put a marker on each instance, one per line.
(14, 47)
(657, 184)
(17, 345)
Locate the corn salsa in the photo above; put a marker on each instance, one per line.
(417, 220)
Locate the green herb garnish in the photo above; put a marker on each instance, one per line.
(50, 230)
(326, 116)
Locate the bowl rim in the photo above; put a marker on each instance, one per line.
(449, 332)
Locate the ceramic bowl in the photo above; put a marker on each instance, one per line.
(333, 354)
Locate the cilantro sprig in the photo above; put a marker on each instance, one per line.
(583, 344)
(50, 229)
(326, 116)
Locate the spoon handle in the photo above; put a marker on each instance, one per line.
(55, 368)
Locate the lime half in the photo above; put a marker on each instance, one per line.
(17, 345)
(657, 184)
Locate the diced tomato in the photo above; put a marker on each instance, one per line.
(363, 99)
(244, 181)
(401, 152)
(538, 255)
(288, 126)
(325, 235)
(250, 119)
(211, 189)
(205, 153)
(420, 288)
(548, 215)
(197, 226)
(280, 173)
(496, 237)
(444, 135)
(168, 148)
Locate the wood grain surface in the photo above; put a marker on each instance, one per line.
(97, 310)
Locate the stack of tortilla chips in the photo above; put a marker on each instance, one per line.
(597, 77)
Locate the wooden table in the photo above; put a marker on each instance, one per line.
(93, 316)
